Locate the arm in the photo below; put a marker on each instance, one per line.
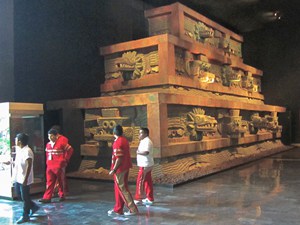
(28, 169)
(68, 152)
(142, 152)
(116, 166)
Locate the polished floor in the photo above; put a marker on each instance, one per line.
(265, 192)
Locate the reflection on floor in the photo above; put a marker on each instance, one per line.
(265, 192)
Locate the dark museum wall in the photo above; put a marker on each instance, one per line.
(56, 49)
(275, 50)
(57, 45)
(57, 53)
(6, 51)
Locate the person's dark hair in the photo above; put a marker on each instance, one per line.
(24, 138)
(145, 130)
(57, 127)
(118, 130)
(53, 131)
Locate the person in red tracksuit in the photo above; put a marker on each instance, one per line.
(58, 154)
(121, 163)
(66, 186)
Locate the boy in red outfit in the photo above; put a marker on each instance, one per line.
(121, 163)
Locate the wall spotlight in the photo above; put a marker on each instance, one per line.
(277, 15)
(272, 16)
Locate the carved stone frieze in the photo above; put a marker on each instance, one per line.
(248, 82)
(201, 32)
(99, 128)
(230, 46)
(268, 122)
(232, 126)
(131, 65)
(194, 124)
(177, 127)
(194, 66)
(231, 77)
(198, 122)
(257, 84)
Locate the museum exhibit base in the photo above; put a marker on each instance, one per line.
(192, 136)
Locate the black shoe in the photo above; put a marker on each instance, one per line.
(43, 200)
(23, 220)
(61, 199)
(34, 209)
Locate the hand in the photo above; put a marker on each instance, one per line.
(64, 163)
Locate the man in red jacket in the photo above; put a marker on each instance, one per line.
(121, 163)
(58, 154)
(66, 187)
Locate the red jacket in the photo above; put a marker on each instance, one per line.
(121, 149)
(58, 155)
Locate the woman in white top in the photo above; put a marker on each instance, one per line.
(145, 162)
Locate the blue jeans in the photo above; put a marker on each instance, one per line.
(24, 193)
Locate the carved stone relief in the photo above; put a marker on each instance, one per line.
(256, 84)
(230, 77)
(99, 123)
(190, 125)
(132, 65)
(267, 122)
(248, 82)
(194, 66)
(198, 122)
(200, 32)
(193, 124)
(199, 68)
(231, 124)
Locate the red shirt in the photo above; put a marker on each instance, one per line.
(60, 153)
(121, 149)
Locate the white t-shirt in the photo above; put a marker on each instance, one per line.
(145, 160)
(19, 172)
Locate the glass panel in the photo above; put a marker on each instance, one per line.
(5, 156)
(33, 126)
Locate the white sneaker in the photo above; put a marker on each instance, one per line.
(128, 213)
(146, 201)
(137, 202)
(113, 213)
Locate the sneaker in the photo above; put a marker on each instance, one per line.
(137, 202)
(34, 209)
(113, 213)
(23, 220)
(146, 201)
(43, 200)
(128, 213)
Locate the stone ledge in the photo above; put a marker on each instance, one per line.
(196, 166)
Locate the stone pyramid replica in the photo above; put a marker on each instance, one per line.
(188, 84)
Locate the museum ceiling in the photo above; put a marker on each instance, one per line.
(243, 15)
